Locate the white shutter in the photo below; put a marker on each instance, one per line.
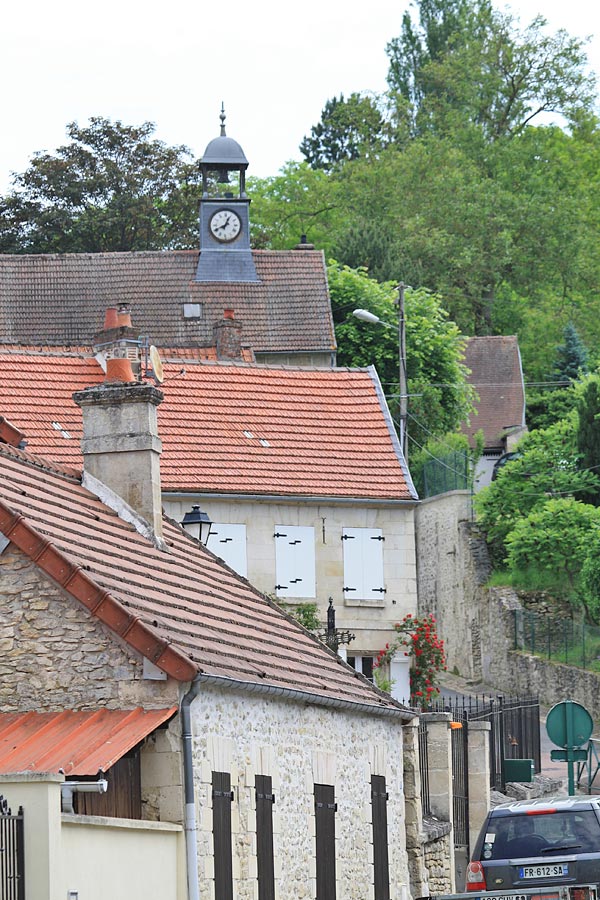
(295, 561)
(229, 542)
(363, 564)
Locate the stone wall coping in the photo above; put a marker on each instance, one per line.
(435, 829)
(436, 717)
(459, 493)
(479, 726)
(37, 777)
(128, 824)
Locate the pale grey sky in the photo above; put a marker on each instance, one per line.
(273, 64)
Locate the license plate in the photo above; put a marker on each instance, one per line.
(547, 871)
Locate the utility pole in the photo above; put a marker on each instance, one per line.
(402, 384)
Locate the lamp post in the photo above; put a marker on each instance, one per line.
(370, 317)
(197, 524)
(333, 636)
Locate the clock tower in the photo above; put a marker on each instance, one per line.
(225, 253)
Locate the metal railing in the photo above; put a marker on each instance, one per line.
(424, 768)
(515, 728)
(563, 640)
(12, 856)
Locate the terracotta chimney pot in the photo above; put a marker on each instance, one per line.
(124, 317)
(228, 314)
(111, 318)
(118, 369)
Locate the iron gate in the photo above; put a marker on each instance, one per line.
(12, 856)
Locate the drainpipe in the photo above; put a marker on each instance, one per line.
(191, 836)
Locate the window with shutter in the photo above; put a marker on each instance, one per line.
(363, 564)
(229, 542)
(295, 561)
(222, 796)
(264, 837)
(379, 798)
(325, 810)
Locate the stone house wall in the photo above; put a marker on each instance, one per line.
(452, 563)
(55, 655)
(371, 621)
(298, 746)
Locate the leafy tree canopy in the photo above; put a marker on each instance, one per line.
(463, 63)
(439, 396)
(112, 187)
(554, 538)
(348, 128)
(547, 466)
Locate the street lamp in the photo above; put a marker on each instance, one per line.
(372, 319)
(197, 524)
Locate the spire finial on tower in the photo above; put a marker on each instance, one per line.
(222, 117)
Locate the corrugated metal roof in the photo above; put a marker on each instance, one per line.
(76, 743)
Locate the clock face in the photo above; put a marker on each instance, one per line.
(225, 225)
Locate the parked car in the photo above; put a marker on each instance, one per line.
(530, 843)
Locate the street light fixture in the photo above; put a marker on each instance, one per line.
(197, 524)
(372, 319)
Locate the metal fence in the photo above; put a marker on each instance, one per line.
(424, 767)
(449, 473)
(515, 728)
(12, 856)
(563, 640)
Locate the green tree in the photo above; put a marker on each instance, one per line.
(439, 396)
(547, 466)
(588, 430)
(554, 540)
(572, 357)
(112, 187)
(464, 63)
(348, 128)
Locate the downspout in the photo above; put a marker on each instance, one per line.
(190, 830)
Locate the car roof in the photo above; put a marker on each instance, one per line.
(560, 804)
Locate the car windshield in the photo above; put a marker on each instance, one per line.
(543, 834)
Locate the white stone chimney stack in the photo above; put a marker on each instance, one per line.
(120, 444)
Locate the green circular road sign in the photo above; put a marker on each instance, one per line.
(569, 724)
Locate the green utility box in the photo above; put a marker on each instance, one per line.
(518, 770)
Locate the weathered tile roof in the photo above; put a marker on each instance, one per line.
(75, 743)
(181, 607)
(60, 299)
(497, 376)
(238, 429)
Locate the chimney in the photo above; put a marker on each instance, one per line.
(118, 338)
(228, 337)
(304, 245)
(120, 445)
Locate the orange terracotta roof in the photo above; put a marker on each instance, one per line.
(59, 299)
(74, 743)
(181, 606)
(497, 376)
(226, 428)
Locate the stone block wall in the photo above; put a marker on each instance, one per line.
(55, 655)
(298, 745)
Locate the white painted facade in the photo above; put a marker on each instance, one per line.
(328, 548)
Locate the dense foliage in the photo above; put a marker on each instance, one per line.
(438, 394)
(111, 188)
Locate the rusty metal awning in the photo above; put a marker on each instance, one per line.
(75, 743)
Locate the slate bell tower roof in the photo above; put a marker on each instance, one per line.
(224, 150)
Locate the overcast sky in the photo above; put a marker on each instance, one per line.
(274, 64)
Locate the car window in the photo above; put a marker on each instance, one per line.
(518, 836)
